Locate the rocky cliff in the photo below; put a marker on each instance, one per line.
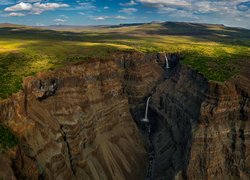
(202, 128)
(220, 142)
(75, 122)
(81, 122)
(175, 108)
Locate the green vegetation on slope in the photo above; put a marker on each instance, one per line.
(211, 49)
(7, 139)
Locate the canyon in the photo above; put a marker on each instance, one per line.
(83, 121)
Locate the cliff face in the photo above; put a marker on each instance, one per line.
(202, 128)
(87, 121)
(175, 109)
(141, 76)
(79, 122)
(75, 122)
(220, 147)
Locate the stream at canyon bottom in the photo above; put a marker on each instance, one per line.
(151, 153)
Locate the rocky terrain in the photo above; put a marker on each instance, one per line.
(202, 128)
(82, 122)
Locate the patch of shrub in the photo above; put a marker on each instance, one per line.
(7, 139)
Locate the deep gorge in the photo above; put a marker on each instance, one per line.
(83, 121)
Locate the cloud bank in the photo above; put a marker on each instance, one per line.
(35, 8)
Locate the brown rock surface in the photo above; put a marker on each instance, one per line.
(75, 122)
(220, 145)
(175, 108)
(202, 129)
(78, 122)
(6, 171)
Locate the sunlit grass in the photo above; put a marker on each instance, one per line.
(24, 52)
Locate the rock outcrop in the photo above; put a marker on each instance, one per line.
(220, 143)
(202, 128)
(175, 108)
(75, 122)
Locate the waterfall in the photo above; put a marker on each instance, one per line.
(167, 64)
(145, 119)
(150, 168)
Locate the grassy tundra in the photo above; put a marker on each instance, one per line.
(213, 50)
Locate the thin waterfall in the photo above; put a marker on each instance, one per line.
(150, 168)
(151, 150)
(167, 64)
(145, 119)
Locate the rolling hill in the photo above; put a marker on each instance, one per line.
(217, 51)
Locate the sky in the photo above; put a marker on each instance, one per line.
(109, 12)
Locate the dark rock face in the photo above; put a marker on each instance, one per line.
(202, 128)
(175, 109)
(47, 88)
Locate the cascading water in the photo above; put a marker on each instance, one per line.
(167, 63)
(151, 152)
(145, 119)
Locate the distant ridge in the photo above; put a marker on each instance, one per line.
(11, 25)
(79, 27)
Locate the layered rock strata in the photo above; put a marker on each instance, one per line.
(75, 122)
(78, 122)
(202, 128)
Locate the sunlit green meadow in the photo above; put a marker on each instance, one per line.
(211, 49)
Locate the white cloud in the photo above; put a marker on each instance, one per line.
(86, 6)
(131, 3)
(38, 8)
(60, 20)
(30, 1)
(82, 13)
(202, 6)
(160, 3)
(35, 8)
(100, 18)
(205, 6)
(103, 18)
(128, 10)
(105, 7)
(120, 17)
(215, 11)
(19, 7)
(16, 14)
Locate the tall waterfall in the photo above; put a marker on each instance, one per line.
(167, 64)
(145, 119)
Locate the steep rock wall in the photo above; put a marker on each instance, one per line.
(220, 147)
(202, 128)
(75, 122)
(175, 108)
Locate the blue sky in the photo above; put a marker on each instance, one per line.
(101, 12)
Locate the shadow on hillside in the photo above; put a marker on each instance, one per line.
(38, 34)
(205, 32)
(200, 32)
